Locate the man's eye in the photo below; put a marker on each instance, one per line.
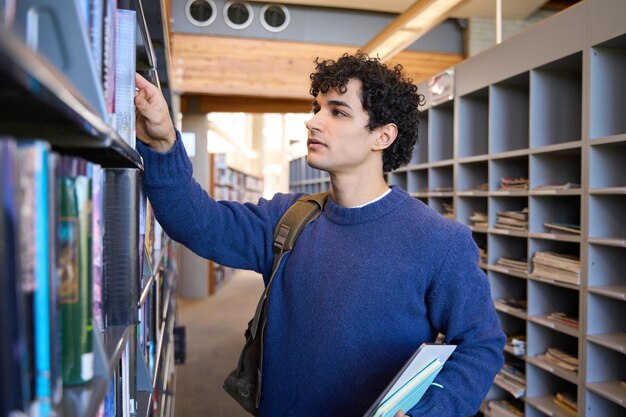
(338, 113)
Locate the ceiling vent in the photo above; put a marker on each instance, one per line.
(274, 17)
(200, 12)
(238, 14)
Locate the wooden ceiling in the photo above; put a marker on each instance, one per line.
(238, 74)
(271, 69)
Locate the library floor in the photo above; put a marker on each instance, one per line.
(214, 331)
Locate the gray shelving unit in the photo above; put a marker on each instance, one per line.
(51, 89)
(549, 105)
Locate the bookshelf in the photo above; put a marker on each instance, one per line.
(550, 114)
(546, 105)
(53, 89)
(227, 183)
(304, 179)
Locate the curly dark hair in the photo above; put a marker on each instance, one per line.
(387, 96)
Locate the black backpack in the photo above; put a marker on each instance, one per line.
(244, 382)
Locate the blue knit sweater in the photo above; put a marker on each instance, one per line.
(362, 289)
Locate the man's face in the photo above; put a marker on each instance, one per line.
(338, 139)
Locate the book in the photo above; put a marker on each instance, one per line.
(556, 266)
(14, 381)
(556, 227)
(56, 373)
(566, 400)
(125, 57)
(34, 183)
(108, 55)
(412, 381)
(97, 232)
(75, 260)
(120, 246)
(563, 186)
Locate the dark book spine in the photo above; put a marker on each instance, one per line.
(121, 240)
(13, 374)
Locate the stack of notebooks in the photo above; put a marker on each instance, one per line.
(519, 265)
(560, 359)
(479, 219)
(556, 227)
(519, 305)
(513, 184)
(448, 210)
(482, 187)
(513, 220)
(564, 319)
(556, 266)
(567, 401)
(562, 186)
(512, 379)
(516, 344)
(483, 254)
(503, 408)
(412, 381)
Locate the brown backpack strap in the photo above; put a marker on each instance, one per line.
(292, 223)
(306, 209)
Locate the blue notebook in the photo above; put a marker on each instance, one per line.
(411, 383)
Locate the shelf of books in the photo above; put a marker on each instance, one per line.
(88, 278)
(304, 179)
(529, 154)
(537, 146)
(227, 183)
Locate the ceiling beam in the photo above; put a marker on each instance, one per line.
(411, 25)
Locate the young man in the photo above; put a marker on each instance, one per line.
(375, 276)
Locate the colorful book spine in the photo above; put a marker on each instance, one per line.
(34, 177)
(108, 58)
(75, 261)
(56, 375)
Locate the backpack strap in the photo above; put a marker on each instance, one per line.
(306, 209)
(292, 223)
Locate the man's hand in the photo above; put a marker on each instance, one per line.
(152, 119)
(400, 414)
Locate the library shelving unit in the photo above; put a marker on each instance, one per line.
(304, 179)
(52, 90)
(548, 106)
(227, 183)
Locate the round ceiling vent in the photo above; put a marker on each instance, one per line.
(238, 14)
(200, 12)
(274, 17)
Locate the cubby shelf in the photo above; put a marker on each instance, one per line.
(552, 119)
(547, 407)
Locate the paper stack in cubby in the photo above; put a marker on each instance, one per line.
(557, 266)
(520, 265)
(561, 359)
(513, 184)
(479, 219)
(513, 220)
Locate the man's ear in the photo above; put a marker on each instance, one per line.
(386, 135)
